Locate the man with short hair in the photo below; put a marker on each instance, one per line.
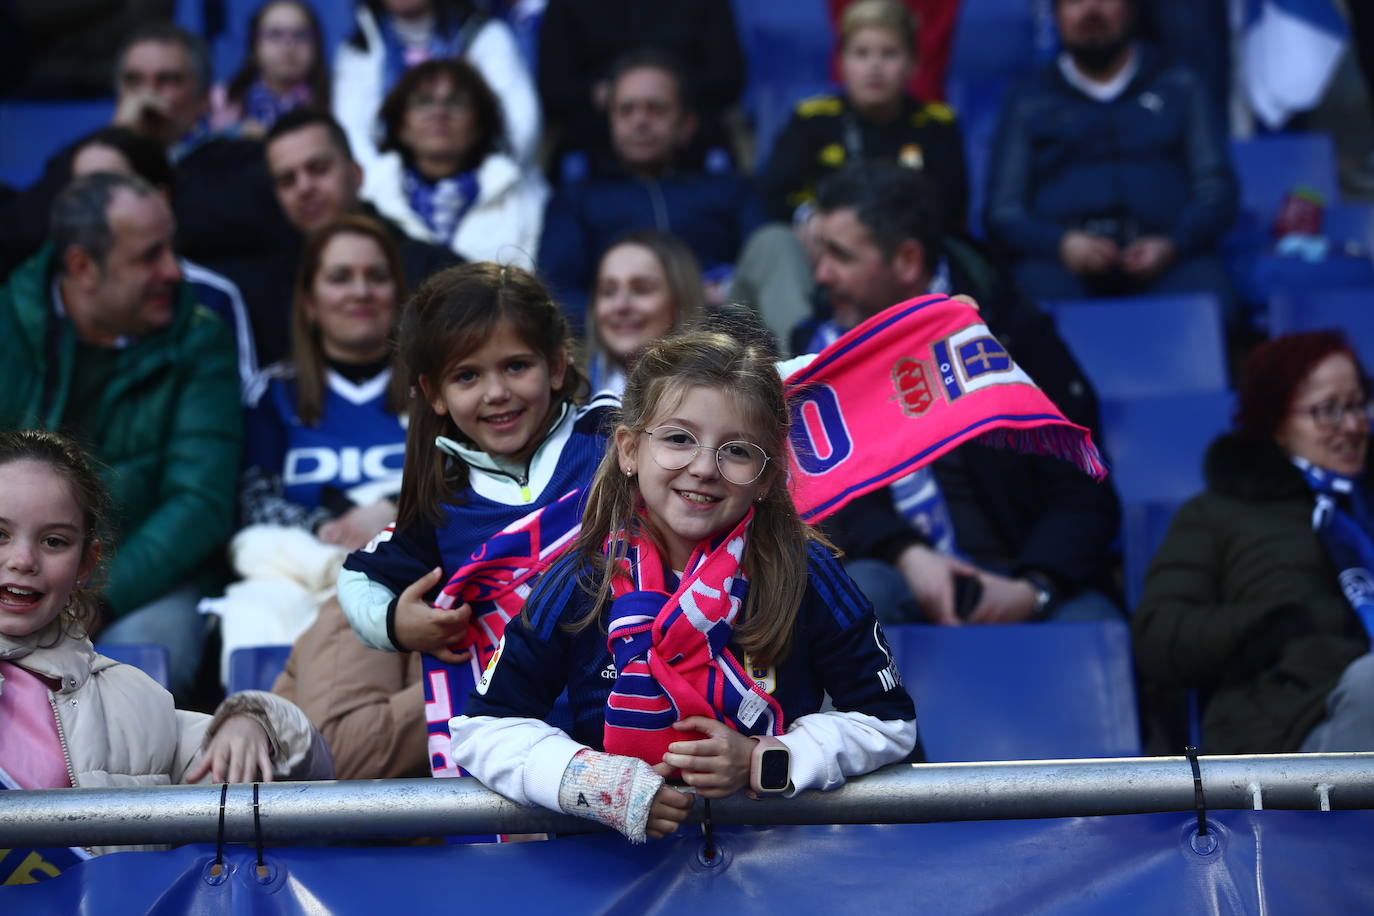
(106, 343)
(317, 180)
(1032, 531)
(652, 121)
(1110, 174)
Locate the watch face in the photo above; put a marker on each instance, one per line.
(774, 769)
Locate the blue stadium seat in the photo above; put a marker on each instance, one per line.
(30, 132)
(1351, 310)
(995, 43)
(1269, 167)
(1146, 345)
(256, 668)
(1143, 526)
(788, 45)
(150, 658)
(1020, 691)
(1155, 445)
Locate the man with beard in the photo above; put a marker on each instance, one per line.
(1110, 174)
(984, 535)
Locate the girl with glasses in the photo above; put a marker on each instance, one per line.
(446, 174)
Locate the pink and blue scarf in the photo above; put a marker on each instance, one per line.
(670, 648)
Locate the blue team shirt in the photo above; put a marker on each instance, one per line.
(358, 447)
(471, 518)
(838, 647)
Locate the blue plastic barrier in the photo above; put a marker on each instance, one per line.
(974, 701)
(1261, 862)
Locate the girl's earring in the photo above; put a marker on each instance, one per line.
(629, 472)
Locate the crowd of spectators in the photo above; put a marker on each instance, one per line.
(204, 294)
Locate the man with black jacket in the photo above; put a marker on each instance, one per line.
(1029, 535)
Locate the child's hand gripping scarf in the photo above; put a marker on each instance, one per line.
(670, 648)
(496, 580)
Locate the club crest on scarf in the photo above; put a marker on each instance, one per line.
(912, 387)
(670, 648)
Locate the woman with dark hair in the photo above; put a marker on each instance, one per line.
(445, 175)
(1262, 595)
(325, 441)
(396, 35)
(283, 68)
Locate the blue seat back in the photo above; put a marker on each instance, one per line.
(1020, 691)
(788, 46)
(1147, 345)
(31, 132)
(1351, 310)
(150, 658)
(995, 43)
(256, 667)
(1143, 526)
(1155, 445)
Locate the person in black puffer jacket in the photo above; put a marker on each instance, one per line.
(1254, 595)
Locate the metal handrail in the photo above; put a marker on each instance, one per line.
(321, 812)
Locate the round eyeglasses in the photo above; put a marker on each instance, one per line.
(673, 448)
(1330, 414)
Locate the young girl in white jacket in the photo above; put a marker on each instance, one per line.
(70, 717)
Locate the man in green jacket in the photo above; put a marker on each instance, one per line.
(104, 342)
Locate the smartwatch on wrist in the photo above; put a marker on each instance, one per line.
(770, 769)
(1044, 594)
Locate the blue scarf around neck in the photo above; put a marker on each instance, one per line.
(1341, 517)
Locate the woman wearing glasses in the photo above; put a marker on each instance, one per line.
(1262, 595)
(446, 175)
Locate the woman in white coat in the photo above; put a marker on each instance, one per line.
(444, 174)
(395, 35)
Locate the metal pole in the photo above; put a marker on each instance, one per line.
(320, 812)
